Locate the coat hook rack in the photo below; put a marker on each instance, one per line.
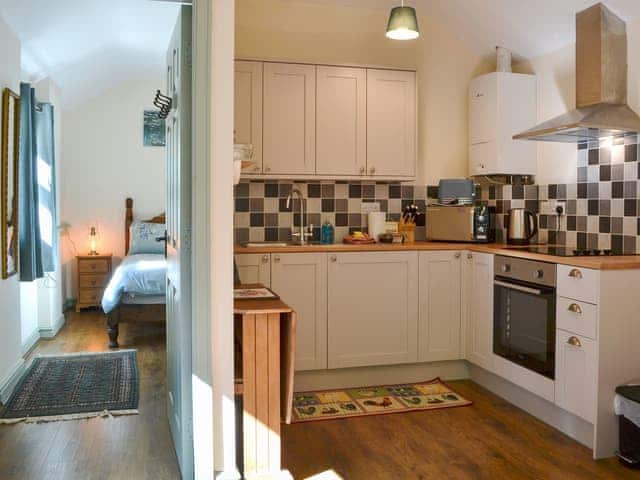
(163, 103)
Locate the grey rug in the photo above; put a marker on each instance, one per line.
(68, 387)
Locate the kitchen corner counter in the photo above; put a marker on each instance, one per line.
(624, 262)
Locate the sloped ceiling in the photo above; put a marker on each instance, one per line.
(86, 46)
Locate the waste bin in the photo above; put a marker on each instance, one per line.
(627, 407)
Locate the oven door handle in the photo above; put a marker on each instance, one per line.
(520, 288)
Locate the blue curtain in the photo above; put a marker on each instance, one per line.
(36, 212)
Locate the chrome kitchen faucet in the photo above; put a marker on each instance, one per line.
(301, 234)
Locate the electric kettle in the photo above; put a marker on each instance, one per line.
(522, 226)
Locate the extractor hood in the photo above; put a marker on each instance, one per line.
(601, 84)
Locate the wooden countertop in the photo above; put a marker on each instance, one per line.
(623, 262)
(257, 306)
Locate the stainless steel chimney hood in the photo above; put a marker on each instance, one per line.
(601, 84)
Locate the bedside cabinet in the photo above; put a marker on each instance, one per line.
(94, 272)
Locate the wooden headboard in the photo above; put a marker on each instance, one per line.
(128, 220)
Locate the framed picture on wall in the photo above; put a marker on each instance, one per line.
(154, 134)
(9, 158)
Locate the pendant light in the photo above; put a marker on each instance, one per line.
(403, 23)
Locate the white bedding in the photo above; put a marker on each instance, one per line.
(142, 274)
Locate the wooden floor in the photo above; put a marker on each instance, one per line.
(491, 439)
(128, 447)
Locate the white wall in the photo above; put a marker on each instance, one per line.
(104, 163)
(556, 77)
(313, 32)
(10, 328)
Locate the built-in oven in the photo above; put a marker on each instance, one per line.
(524, 316)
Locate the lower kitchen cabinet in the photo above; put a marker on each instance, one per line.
(254, 268)
(439, 306)
(372, 309)
(301, 281)
(477, 304)
(576, 379)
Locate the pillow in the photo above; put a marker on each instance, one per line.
(143, 238)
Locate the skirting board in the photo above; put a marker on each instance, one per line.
(383, 375)
(569, 424)
(53, 330)
(8, 383)
(30, 342)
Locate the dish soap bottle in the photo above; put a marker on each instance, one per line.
(327, 233)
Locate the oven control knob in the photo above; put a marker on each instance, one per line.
(506, 268)
(538, 274)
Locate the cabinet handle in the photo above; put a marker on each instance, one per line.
(256, 168)
(575, 308)
(469, 256)
(478, 95)
(265, 258)
(333, 258)
(267, 169)
(575, 273)
(276, 258)
(457, 255)
(574, 342)
(363, 170)
(372, 170)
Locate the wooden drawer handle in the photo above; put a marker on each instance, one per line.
(574, 342)
(575, 273)
(575, 308)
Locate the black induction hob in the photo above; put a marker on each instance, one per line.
(560, 251)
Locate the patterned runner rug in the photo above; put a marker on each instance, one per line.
(356, 402)
(73, 386)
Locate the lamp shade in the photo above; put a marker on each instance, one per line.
(403, 24)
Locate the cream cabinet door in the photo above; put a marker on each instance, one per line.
(247, 110)
(373, 308)
(254, 268)
(301, 281)
(477, 303)
(341, 106)
(576, 374)
(440, 306)
(391, 123)
(289, 119)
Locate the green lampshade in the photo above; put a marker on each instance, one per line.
(403, 24)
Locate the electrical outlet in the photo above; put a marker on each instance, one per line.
(549, 207)
(368, 207)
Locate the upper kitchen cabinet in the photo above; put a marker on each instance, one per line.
(391, 123)
(500, 105)
(289, 117)
(247, 122)
(341, 135)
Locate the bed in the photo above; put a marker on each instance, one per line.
(136, 291)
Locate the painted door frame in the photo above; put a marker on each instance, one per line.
(212, 273)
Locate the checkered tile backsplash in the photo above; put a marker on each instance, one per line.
(261, 213)
(603, 207)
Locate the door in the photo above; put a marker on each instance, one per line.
(391, 123)
(289, 119)
(478, 308)
(301, 281)
(440, 299)
(178, 219)
(373, 309)
(576, 374)
(247, 110)
(341, 135)
(254, 268)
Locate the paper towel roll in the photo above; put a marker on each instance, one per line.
(376, 224)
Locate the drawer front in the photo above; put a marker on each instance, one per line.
(578, 283)
(576, 316)
(99, 265)
(88, 280)
(90, 296)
